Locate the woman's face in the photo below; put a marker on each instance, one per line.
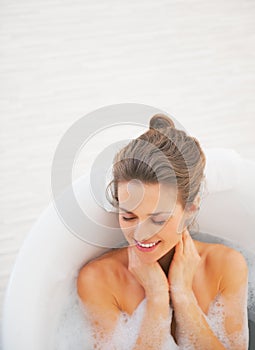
(150, 217)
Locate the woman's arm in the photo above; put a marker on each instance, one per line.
(104, 313)
(234, 297)
(155, 325)
(192, 326)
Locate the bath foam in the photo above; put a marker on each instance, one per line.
(250, 260)
(215, 319)
(127, 331)
(73, 331)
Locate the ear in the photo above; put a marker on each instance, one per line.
(194, 206)
(189, 214)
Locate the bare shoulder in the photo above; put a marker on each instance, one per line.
(97, 287)
(217, 254)
(229, 264)
(97, 280)
(226, 257)
(104, 267)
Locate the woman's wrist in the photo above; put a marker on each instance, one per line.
(182, 296)
(158, 305)
(161, 297)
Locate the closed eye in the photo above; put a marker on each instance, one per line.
(127, 219)
(155, 222)
(159, 222)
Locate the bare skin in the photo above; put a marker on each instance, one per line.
(187, 272)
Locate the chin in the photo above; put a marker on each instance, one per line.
(150, 257)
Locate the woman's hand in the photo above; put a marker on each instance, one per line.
(183, 266)
(151, 276)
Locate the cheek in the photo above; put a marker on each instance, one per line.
(175, 222)
(126, 227)
(170, 231)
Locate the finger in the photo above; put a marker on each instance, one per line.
(187, 242)
(189, 246)
(129, 256)
(179, 248)
(133, 259)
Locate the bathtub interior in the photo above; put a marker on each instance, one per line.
(40, 302)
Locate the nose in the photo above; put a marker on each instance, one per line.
(143, 231)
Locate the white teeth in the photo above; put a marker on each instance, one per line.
(148, 245)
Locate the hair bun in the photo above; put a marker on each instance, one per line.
(161, 121)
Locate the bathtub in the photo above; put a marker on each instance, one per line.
(48, 263)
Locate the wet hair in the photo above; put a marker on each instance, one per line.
(163, 154)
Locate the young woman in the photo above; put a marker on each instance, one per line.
(156, 188)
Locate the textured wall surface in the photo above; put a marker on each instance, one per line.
(62, 59)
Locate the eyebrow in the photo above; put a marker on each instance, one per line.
(160, 212)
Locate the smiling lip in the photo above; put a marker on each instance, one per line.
(146, 247)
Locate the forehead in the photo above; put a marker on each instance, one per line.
(135, 194)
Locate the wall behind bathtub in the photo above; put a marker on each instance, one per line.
(62, 59)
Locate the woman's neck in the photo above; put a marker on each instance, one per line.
(166, 260)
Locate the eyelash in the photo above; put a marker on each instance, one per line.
(155, 222)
